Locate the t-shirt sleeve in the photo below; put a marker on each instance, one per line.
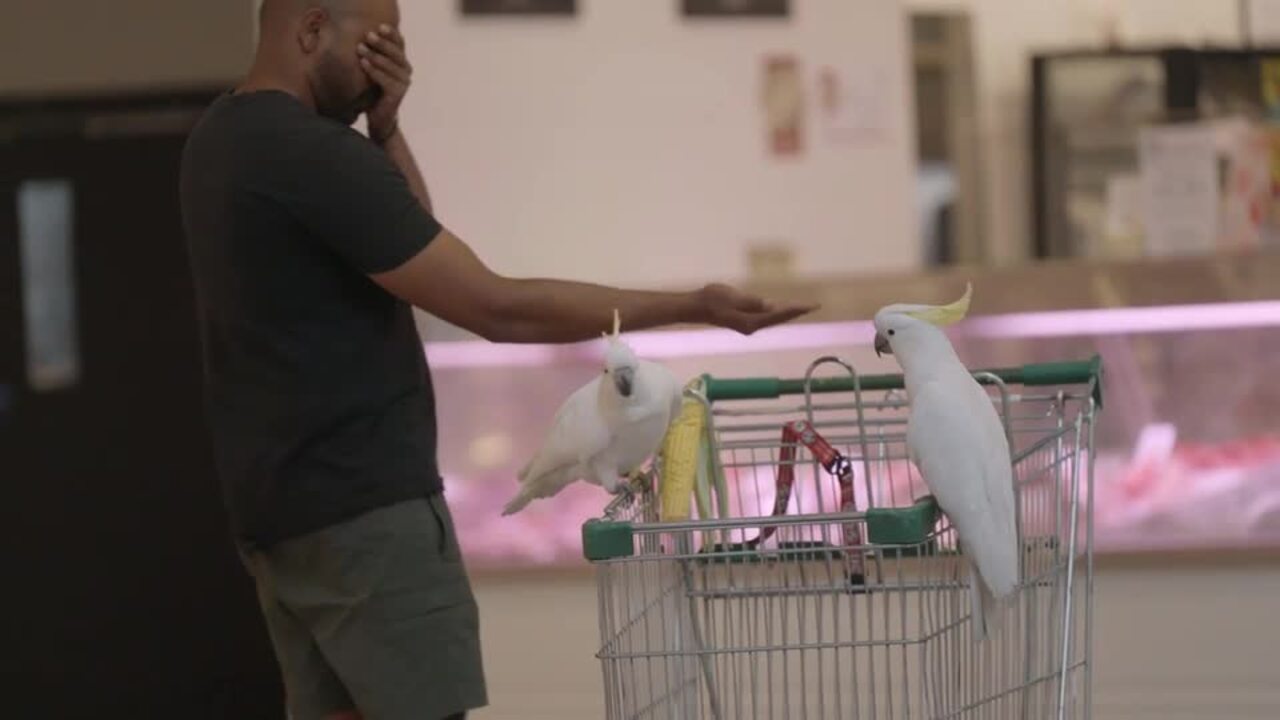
(349, 194)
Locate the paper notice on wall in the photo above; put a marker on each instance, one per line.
(782, 100)
(854, 103)
(1180, 196)
(1247, 189)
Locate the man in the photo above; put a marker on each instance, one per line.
(309, 243)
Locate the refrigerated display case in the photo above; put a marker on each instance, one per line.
(1088, 110)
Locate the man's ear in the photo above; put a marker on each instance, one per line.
(313, 22)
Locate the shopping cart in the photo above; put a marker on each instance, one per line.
(819, 579)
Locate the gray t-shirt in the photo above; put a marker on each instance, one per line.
(318, 393)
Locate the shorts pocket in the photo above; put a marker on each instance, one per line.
(447, 544)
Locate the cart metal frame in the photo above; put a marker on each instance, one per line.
(836, 611)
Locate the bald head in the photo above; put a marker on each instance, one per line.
(311, 45)
(275, 11)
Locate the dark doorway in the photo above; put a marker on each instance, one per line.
(123, 593)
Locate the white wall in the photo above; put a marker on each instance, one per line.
(1007, 32)
(606, 146)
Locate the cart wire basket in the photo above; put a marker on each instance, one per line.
(818, 578)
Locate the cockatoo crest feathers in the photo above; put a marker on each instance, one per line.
(617, 327)
(938, 315)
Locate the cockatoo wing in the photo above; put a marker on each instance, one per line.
(959, 445)
(578, 432)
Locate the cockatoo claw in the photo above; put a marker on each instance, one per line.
(611, 484)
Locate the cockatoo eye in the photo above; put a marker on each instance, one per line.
(891, 332)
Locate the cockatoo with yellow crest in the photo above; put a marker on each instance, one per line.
(958, 443)
(606, 429)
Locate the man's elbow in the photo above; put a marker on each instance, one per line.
(508, 328)
(507, 333)
(494, 330)
(498, 318)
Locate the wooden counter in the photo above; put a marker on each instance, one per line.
(1054, 285)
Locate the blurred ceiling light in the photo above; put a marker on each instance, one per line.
(490, 451)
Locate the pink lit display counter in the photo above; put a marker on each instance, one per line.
(1188, 443)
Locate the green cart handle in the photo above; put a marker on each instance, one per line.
(1085, 372)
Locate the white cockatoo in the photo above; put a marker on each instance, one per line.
(958, 443)
(606, 429)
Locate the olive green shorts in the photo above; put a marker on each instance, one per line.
(374, 614)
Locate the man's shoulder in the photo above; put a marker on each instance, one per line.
(279, 126)
(264, 115)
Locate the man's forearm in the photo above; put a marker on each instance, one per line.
(555, 311)
(397, 148)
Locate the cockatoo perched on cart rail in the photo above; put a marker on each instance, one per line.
(606, 429)
(958, 442)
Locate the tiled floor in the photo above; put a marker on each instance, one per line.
(1193, 642)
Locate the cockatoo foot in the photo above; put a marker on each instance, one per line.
(638, 482)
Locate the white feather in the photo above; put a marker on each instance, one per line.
(599, 436)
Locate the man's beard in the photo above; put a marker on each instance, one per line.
(363, 103)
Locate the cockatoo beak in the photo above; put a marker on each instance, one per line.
(882, 345)
(624, 381)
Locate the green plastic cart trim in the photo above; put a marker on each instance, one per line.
(766, 388)
(904, 527)
(607, 540)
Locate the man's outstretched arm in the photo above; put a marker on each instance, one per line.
(447, 280)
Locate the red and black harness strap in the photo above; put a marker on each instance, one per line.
(801, 432)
